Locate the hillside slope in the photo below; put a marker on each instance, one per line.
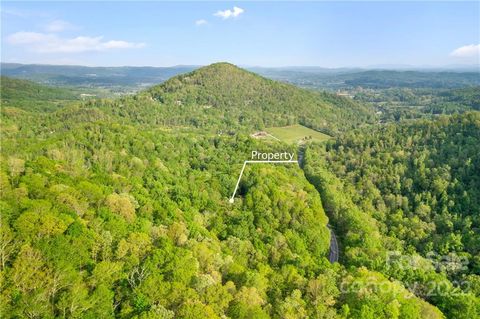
(31, 96)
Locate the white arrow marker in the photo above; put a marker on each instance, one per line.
(231, 200)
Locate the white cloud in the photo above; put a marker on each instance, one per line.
(29, 37)
(119, 44)
(467, 51)
(51, 43)
(226, 14)
(58, 26)
(201, 22)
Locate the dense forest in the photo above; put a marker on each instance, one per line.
(118, 208)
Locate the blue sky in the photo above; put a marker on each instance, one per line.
(328, 34)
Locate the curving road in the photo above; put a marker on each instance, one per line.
(333, 256)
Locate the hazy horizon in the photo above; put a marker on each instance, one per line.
(461, 67)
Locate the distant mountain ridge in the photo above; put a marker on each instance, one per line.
(305, 76)
(85, 75)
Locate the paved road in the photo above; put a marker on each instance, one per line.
(333, 256)
(300, 159)
(301, 154)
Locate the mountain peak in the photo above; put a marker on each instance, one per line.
(219, 69)
(220, 65)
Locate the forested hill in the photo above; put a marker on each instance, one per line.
(224, 96)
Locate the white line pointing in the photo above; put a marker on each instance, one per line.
(243, 168)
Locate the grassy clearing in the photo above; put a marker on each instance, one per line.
(296, 134)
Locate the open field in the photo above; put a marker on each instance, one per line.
(296, 134)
